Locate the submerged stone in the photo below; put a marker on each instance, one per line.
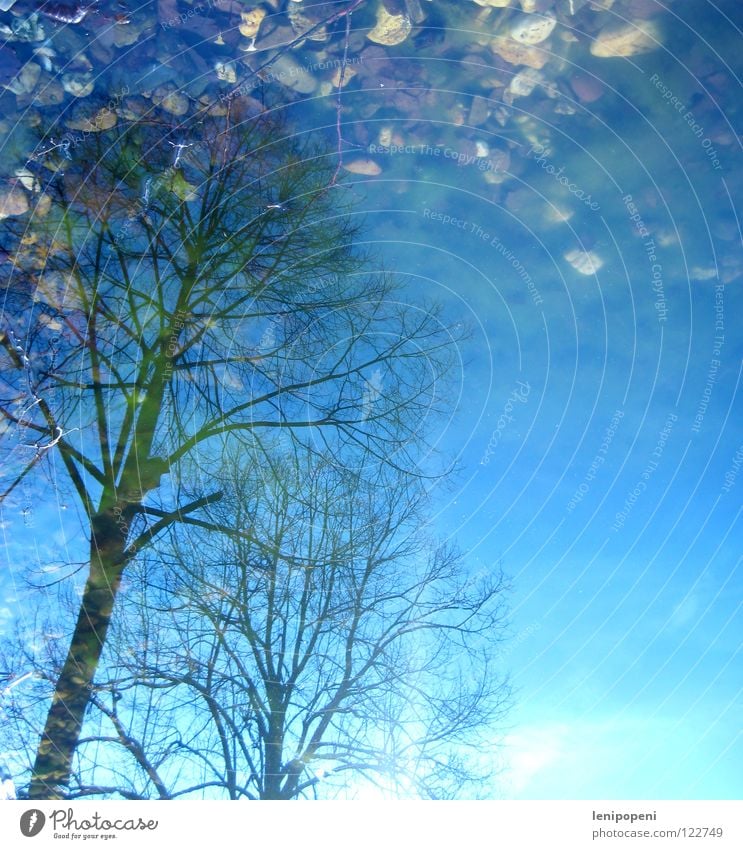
(290, 73)
(308, 21)
(13, 201)
(28, 180)
(532, 29)
(226, 72)
(172, 101)
(366, 167)
(251, 21)
(24, 29)
(626, 40)
(99, 121)
(587, 88)
(78, 85)
(524, 83)
(10, 64)
(26, 80)
(519, 54)
(389, 29)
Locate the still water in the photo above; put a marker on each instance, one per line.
(564, 178)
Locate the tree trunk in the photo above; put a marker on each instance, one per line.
(273, 774)
(51, 773)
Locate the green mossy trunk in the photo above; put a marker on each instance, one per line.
(52, 769)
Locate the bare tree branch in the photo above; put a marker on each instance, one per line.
(235, 306)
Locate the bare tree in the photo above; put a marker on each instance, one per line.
(331, 645)
(189, 288)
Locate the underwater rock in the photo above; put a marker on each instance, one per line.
(519, 54)
(501, 115)
(497, 4)
(413, 103)
(161, 76)
(499, 161)
(587, 89)
(33, 118)
(10, 64)
(125, 35)
(102, 47)
(44, 56)
(171, 100)
(277, 37)
(244, 108)
(482, 149)
(99, 121)
(24, 29)
(523, 84)
(43, 205)
(479, 111)
(133, 108)
(366, 167)
(28, 180)
(626, 39)
(379, 70)
(230, 7)
(251, 21)
(26, 79)
(13, 201)
(50, 91)
(534, 132)
(105, 118)
(213, 108)
(226, 72)
(389, 29)
(305, 19)
(384, 139)
(78, 85)
(584, 262)
(532, 29)
(415, 11)
(199, 77)
(286, 70)
(431, 30)
(167, 13)
(457, 115)
(343, 76)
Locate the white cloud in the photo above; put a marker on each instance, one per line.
(531, 752)
(610, 758)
